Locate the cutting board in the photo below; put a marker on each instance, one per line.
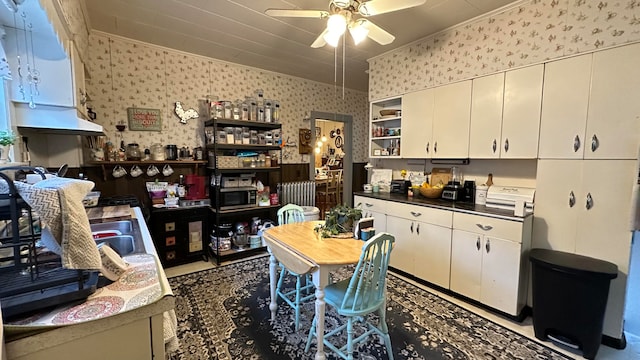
(440, 175)
(108, 213)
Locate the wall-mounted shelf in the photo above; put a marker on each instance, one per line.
(110, 164)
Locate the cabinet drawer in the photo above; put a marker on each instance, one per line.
(503, 229)
(422, 213)
(369, 204)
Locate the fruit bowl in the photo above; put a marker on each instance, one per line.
(388, 112)
(431, 193)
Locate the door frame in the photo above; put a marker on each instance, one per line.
(347, 160)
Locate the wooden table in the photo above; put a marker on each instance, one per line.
(299, 249)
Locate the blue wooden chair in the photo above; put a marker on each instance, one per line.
(291, 213)
(363, 293)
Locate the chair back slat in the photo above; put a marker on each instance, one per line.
(367, 286)
(290, 213)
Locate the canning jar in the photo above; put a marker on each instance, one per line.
(133, 152)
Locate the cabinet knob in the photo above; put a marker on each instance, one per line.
(478, 243)
(506, 145)
(572, 199)
(416, 214)
(412, 228)
(576, 143)
(589, 203)
(435, 147)
(494, 147)
(595, 143)
(484, 227)
(427, 148)
(418, 229)
(487, 246)
(368, 204)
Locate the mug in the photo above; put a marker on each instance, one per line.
(118, 171)
(167, 170)
(152, 170)
(135, 171)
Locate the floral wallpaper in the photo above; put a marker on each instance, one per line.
(73, 14)
(126, 73)
(530, 32)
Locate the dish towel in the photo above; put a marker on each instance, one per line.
(170, 329)
(65, 225)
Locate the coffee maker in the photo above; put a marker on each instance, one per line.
(454, 190)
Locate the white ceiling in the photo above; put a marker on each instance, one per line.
(238, 31)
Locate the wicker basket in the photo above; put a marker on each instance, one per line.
(431, 193)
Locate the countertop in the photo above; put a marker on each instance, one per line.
(457, 206)
(21, 340)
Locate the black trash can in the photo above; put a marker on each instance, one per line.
(569, 298)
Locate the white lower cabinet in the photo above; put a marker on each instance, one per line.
(373, 208)
(488, 261)
(423, 243)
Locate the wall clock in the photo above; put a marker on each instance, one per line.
(339, 142)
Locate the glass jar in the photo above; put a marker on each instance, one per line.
(244, 111)
(276, 112)
(228, 110)
(133, 152)
(253, 109)
(268, 111)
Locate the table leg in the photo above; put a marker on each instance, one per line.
(320, 280)
(273, 280)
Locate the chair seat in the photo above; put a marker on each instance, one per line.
(334, 293)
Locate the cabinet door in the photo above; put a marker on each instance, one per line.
(379, 221)
(613, 121)
(466, 263)
(521, 112)
(565, 101)
(500, 274)
(486, 117)
(432, 253)
(417, 120)
(451, 120)
(404, 249)
(558, 187)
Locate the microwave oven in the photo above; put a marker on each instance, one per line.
(234, 198)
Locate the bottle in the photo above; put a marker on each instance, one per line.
(181, 187)
(489, 180)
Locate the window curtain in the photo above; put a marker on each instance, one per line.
(5, 72)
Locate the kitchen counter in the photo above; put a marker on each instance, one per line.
(457, 206)
(135, 332)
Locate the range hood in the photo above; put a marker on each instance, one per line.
(48, 119)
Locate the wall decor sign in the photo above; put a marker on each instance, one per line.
(144, 119)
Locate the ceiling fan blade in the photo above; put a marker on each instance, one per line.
(320, 41)
(378, 34)
(376, 7)
(318, 14)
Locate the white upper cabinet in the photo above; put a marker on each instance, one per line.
(384, 134)
(417, 122)
(451, 120)
(613, 120)
(486, 117)
(564, 108)
(587, 112)
(521, 112)
(80, 96)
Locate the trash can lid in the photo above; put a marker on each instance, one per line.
(573, 263)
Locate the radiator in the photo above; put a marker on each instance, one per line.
(301, 193)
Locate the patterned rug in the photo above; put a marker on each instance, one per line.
(223, 313)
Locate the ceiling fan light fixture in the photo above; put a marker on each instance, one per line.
(332, 38)
(358, 30)
(341, 3)
(337, 23)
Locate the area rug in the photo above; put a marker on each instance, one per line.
(223, 313)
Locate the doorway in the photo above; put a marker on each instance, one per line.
(341, 144)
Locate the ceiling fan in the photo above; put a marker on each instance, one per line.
(352, 15)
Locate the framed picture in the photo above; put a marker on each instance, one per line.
(318, 132)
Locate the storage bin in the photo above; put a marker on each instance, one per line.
(91, 199)
(570, 294)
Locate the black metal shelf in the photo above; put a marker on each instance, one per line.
(244, 170)
(244, 209)
(242, 147)
(242, 123)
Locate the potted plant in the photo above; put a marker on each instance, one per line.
(339, 222)
(7, 139)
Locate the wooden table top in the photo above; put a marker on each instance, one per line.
(302, 239)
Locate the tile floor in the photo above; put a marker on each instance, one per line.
(631, 352)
